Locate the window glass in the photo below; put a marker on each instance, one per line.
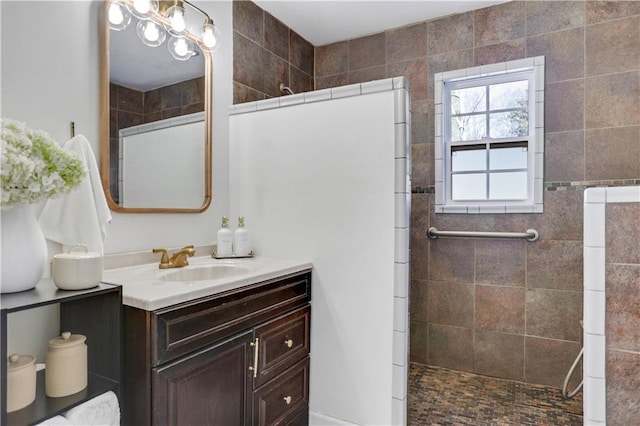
(472, 99)
(509, 124)
(468, 158)
(468, 127)
(508, 186)
(508, 156)
(472, 186)
(509, 95)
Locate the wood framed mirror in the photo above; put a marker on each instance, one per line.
(155, 123)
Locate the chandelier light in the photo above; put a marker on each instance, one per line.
(157, 17)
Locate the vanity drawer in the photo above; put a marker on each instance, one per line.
(194, 325)
(282, 342)
(282, 399)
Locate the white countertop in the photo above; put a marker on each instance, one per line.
(144, 287)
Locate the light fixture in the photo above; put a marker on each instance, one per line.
(154, 16)
(181, 48)
(150, 33)
(119, 16)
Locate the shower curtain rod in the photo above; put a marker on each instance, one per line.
(530, 235)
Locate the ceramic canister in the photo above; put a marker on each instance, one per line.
(21, 381)
(66, 365)
(78, 269)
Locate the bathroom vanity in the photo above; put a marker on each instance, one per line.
(237, 356)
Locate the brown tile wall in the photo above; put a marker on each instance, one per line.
(266, 53)
(503, 308)
(129, 107)
(511, 308)
(623, 313)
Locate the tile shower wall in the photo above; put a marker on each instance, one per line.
(130, 107)
(622, 312)
(503, 308)
(511, 309)
(266, 53)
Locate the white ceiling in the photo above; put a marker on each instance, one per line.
(323, 22)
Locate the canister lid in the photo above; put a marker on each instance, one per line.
(67, 340)
(78, 251)
(17, 362)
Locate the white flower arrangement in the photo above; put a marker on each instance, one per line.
(33, 166)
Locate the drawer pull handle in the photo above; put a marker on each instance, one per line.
(289, 343)
(287, 400)
(254, 368)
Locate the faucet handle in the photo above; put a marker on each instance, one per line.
(189, 250)
(165, 255)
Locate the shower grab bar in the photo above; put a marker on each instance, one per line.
(530, 235)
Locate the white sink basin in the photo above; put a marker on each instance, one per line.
(204, 273)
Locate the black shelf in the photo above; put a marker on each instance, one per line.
(94, 312)
(45, 407)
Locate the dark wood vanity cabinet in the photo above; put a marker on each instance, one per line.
(236, 358)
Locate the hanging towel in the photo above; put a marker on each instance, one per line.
(80, 216)
(103, 410)
(56, 421)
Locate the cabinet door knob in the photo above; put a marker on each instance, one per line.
(289, 343)
(287, 400)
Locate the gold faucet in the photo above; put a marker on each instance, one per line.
(178, 260)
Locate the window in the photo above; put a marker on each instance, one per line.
(489, 138)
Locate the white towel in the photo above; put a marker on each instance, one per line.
(56, 421)
(103, 410)
(81, 216)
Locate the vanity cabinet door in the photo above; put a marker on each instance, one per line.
(210, 387)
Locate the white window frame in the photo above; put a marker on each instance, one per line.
(483, 75)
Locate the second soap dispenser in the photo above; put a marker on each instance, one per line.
(241, 240)
(224, 239)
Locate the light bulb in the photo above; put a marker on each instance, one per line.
(115, 14)
(150, 33)
(177, 19)
(181, 48)
(210, 38)
(142, 6)
(142, 9)
(119, 18)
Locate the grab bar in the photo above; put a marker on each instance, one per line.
(530, 235)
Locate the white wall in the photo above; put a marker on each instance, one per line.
(49, 77)
(326, 180)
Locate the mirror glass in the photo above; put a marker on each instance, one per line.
(155, 124)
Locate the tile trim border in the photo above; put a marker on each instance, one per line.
(557, 186)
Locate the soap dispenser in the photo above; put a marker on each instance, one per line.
(241, 241)
(224, 239)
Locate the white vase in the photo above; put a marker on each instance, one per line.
(24, 249)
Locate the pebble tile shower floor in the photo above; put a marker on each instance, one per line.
(438, 396)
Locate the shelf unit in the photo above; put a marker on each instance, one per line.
(96, 313)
